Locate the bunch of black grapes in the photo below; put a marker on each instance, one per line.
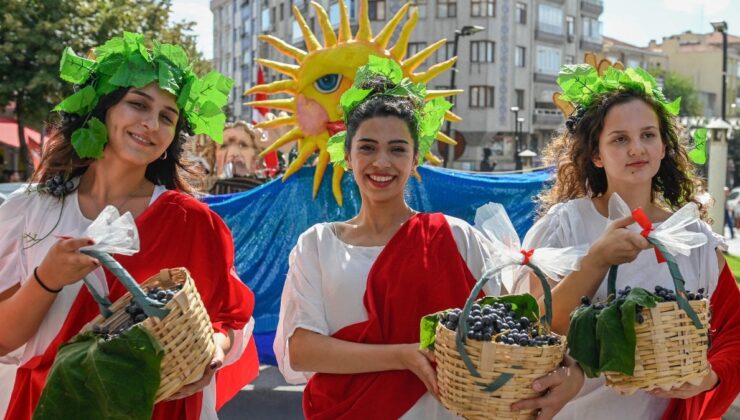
(136, 313)
(500, 323)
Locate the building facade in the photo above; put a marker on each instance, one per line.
(512, 62)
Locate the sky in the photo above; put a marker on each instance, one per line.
(633, 21)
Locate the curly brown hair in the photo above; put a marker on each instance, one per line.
(572, 152)
(59, 157)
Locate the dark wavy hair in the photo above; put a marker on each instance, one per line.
(174, 172)
(572, 152)
(379, 105)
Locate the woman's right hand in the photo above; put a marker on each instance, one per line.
(420, 363)
(618, 245)
(64, 263)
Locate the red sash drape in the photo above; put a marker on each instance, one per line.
(724, 356)
(420, 271)
(175, 231)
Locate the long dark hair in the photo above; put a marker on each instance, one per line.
(173, 172)
(572, 154)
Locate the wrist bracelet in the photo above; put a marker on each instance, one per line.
(41, 283)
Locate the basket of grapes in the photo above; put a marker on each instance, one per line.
(640, 339)
(489, 352)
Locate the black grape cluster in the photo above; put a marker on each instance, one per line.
(136, 313)
(58, 187)
(574, 119)
(500, 323)
(668, 295)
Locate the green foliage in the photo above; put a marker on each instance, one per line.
(90, 140)
(678, 86)
(93, 378)
(698, 154)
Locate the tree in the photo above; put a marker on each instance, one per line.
(675, 85)
(33, 34)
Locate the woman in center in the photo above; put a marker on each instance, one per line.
(356, 290)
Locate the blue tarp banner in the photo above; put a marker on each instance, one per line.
(266, 221)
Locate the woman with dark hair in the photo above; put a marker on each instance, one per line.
(119, 143)
(356, 290)
(624, 139)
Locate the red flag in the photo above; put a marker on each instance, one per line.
(259, 112)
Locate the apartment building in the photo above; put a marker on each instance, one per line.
(512, 62)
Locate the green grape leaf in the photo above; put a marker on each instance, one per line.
(698, 154)
(673, 107)
(582, 340)
(73, 68)
(428, 331)
(90, 140)
(80, 103)
(336, 147)
(134, 71)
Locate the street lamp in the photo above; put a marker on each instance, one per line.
(517, 159)
(722, 28)
(466, 30)
(717, 177)
(520, 123)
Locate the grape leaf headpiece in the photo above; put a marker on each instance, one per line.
(127, 62)
(429, 115)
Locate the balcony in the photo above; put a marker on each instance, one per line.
(548, 117)
(592, 6)
(592, 44)
(549, 33)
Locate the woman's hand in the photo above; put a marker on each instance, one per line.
(64, 263)
(420, 363)
(618, 245)
(561, 385)
(216, 362)
(688, 390)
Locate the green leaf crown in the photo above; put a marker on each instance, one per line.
(127, 62)
(582, 85)
(429, 114)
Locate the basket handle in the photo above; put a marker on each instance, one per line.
(678, 283)
(150, 307)
(462, 329)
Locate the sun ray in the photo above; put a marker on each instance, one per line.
(398, 52)
(433, 71)
(345, 31)
(282, 104)
(295, 53)
(433, 94)
(385, 34)
(279, 86)
(434, 160)
(410, 64)
(292, 135)
(452, 117)
(321, 165)
(312, 44)
(330, 38)
(305, 151)
(444, 138)
(336, 184)
(290, 70)
(364, 33)
(277, 122)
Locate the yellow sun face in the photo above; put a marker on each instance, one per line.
(324, 72)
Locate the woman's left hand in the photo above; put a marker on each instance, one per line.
(190, 389)
(688, 390)
(561, 385)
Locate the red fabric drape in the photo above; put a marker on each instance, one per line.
(420, 271)
(724, 357)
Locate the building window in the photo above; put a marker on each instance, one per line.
(265, 21)
(550, 19)
(520, 55)
(334, 15)
(421, 7)
(481, 96)
(446, 8)
(591, 29)
(482, 51)
(569, 59)
(521, 13)
(376, 9)
(445, 53)
(570, 27)
(548, 60)
(519, 98)
(415, 47)
(282, 11)
(485, 8)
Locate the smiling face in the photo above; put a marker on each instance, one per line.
(382, 158)
(141, 126)
(630, 145)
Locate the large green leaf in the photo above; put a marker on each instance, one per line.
(617, 349)
(74, 68)
(428, 331)
(90, 140)
(80, 103)
(93, 378)
(336, 148)
(582, 340)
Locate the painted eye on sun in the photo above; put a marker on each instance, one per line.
(328, 83)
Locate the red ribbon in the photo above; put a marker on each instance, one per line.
(527, 255)
(641, 218)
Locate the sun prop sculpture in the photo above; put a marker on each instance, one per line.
(323, 73)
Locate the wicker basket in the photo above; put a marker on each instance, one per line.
(464, 395)
(670, 349)
(506, 372)
(185, 334)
